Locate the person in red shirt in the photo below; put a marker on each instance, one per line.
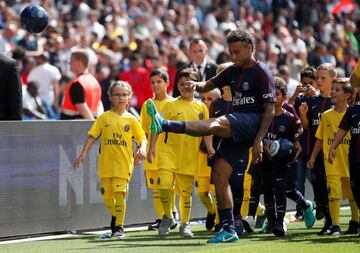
(138, 78)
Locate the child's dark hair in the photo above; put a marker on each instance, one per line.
(188, 72)
(281, 85)
(309, 72)
(160, 72)
(121, 84)
(345, 84)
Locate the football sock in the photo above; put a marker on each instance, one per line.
(173, 126)
(260, 210)
(207, 201)
(110, 205)
(157, 204)
(227, 220)
(354, 210)
(120, 208)
(165, 197)
(173, 202)
(334, 209)
(185, 209)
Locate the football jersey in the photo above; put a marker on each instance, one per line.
(351, 121)
(317, 105)
(326, 131)
(180, 154)
(250, 87)
(285, 126)
(116, 148)
(145, 123)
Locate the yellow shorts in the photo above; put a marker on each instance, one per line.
(152, 179)
(113, 184)
(338, 185)
(181, 184)
(202, 184)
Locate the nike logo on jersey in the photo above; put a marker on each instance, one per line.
(240, 174)
(312, 107)
(217, 112)
(106, 125)
(328, 125)
(179, 113)
(353, 116)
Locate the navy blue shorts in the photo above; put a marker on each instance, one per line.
(234, 153)
(244, 127)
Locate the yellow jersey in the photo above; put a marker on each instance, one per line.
(328, 126)
(182, 151)
(145, 124)
(116, 149)
(357, 70)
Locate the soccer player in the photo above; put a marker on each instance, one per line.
(305, 90)
(179, 162)
(253, 98)
(159, 79)
(337, 173)
(310, 114)
(116, 128)
(350, 123)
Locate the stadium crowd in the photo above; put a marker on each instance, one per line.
(128, 39)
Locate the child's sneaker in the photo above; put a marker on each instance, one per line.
(185, 231)
(309, 216)
(335, 231)
(249, 224)
(155, 226)
(118, 232)
(353, 228)
(223, 237)
(165, 225)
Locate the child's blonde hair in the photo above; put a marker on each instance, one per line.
(121, 84)
(329, 68)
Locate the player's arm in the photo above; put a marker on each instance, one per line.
(209, 145)
(81, 159)
(303, 109)
(200, 86)
(314, 154)
(269, 111)
(339, 136)
(140, 153)
(84, 111)
(152, 147)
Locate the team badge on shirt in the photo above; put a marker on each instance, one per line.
(201, 115)
(282, 129)
(246, 86)
(151, 180)
(126, 128)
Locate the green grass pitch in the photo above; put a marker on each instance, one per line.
(297, 240)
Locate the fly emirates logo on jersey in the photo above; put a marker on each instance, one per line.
(117, 139)
(239, 99)
(355, 130)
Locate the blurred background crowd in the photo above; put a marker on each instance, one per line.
(128, 39)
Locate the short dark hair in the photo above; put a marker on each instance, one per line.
(309, 72)
(281, 85)
(160, 72)
(241, 35)
(345, 84)
(188, 72)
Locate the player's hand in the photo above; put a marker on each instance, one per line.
(80, 160)
(310, 164)
(190, 85)
(303, 108)
(331, 155)
(257, 151)
(140, 155)
(150, 154)
(211, 152)
(310, 91)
